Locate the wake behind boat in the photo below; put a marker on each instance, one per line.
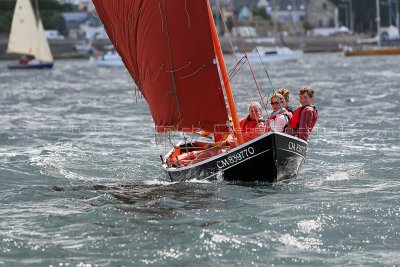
(28, 39)
(175, 58)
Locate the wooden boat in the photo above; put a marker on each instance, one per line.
(269, 158)
(378, 51)
(172, 51)
(28, 39)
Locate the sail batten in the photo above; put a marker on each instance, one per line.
(167, 48)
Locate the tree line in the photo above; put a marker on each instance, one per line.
(365, 13)
(50, 12)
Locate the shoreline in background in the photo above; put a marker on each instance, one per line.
(63, 49)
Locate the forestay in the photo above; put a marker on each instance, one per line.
(167, 47)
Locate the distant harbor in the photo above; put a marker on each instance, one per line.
(63, 49)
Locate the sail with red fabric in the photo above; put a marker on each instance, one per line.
(172, 51)
(168, 50)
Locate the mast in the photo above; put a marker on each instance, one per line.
(224, 74)
(378, 22)
(37, 10)
(275, 21)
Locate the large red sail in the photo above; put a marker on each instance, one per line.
(167, 47)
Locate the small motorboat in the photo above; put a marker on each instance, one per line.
(263, 54)
(109, 59)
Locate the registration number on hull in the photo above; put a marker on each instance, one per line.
(297, 148)
(235, 158)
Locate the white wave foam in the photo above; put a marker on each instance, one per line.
(307, 226)
(338, 176)
(158, 182)
(198, 181)
(304, 243)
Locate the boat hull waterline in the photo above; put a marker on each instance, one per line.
(30, 66)
(272, 157)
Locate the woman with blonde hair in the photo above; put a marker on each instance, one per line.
(286, 94)
(279, 117)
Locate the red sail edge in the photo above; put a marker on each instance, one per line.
(167, 47)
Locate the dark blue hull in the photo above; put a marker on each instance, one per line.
(269, 158)
(30, 66)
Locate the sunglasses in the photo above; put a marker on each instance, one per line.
(274, 103)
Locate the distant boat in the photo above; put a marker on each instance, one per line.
(272, 54)
(375, 51)
(27, 38)
(109, 59)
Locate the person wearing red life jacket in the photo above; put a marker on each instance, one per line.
(279, 116)
(252, 126)
(305, 117)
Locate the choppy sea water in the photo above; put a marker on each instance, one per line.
(81, 182)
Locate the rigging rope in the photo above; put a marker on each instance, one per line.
(272, 91)
(230, 41)
(245, 56)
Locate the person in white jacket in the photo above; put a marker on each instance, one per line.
(279, 117)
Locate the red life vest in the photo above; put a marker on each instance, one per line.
(248, 123)
(295, 121)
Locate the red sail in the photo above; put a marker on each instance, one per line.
(167, 47)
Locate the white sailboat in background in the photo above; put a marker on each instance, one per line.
(27, 38)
